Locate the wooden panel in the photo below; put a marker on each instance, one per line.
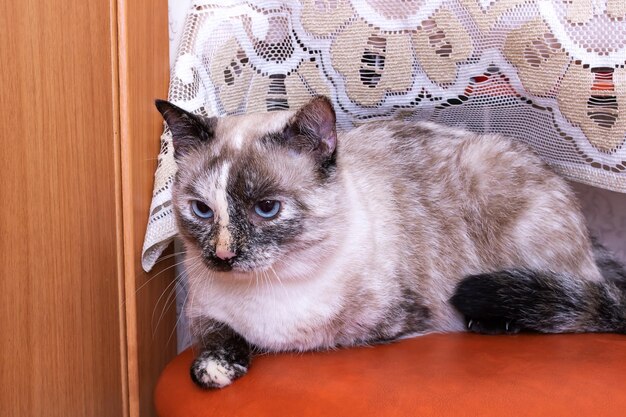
(144, 76)
(60, 317)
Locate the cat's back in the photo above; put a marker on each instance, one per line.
(464, 193)
(410, 147)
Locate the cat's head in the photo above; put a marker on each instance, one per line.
(257, 191)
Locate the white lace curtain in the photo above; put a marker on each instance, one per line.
(550, 73)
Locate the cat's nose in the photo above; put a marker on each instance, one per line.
(224, 254)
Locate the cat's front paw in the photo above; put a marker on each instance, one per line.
(215, 370)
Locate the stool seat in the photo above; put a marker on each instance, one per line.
(433, 375)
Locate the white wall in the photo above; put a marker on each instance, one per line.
(177, 10)
(606, 216)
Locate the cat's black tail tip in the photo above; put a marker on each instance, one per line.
(497, 302)
(543, 302)
(474, 296)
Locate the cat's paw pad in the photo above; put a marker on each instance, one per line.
(211, 370)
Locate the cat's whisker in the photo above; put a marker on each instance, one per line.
(169, 302)
(169, 256)
(279, 281)
(154, 276)
(186, 307)
(260, 280)
(169, 289)
(192, 269)
(249, 283)
(275, 292)
(172, 297)
(268, 283)
(177, 320)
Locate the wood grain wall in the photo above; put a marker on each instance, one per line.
(60, 323)
(144, 75)
(79, 138)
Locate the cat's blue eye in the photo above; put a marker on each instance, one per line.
(267, 209)
(201, 210)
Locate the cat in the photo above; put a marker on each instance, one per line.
(298, 238)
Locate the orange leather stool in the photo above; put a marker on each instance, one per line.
(435, 375)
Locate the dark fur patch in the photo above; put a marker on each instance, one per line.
(326, 167)
(543, 302)
(250, 182)
(410, 313)
(414, 133)
(217, 342)
(611, 269)
(313, 129)
(188, 130)
(416, 315)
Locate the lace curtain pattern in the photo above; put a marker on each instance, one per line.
(547, 72)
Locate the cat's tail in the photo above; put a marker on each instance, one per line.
(544, 301)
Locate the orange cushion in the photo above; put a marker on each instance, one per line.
(434, 375)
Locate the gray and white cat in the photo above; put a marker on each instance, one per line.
(298, 238)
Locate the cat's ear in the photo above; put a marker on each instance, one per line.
(313, 129)
(188, 130)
